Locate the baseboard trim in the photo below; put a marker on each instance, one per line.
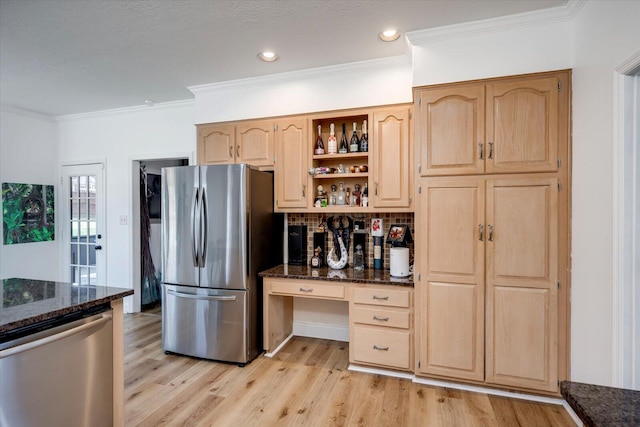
(572, 414)
(378, 371)
(278, 348)
(321, 330)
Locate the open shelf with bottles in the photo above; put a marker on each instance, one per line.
(350, 169)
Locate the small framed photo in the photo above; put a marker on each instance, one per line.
(399, 235)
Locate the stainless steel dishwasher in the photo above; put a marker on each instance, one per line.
(59, 374)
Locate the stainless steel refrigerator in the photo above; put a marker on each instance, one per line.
(218, 232)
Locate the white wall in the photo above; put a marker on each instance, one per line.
(119, 138)
(360, 84)
(606, 34)
(28, 154)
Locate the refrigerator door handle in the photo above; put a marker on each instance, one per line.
(194, 235)
(204, 221)
(202, 297)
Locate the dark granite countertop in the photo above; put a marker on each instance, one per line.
(26, 302)
(369, 275)
(602, 406)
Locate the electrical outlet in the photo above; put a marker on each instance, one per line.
(123, 220)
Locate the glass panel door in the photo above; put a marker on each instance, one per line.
(83, 234)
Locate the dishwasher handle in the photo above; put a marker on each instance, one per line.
(203, 297)
(55, 337)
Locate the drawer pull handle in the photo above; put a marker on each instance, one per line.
(375, 347)
(382, 319)
(306, 290)
(381, 298)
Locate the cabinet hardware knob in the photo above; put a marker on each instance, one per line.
(98, 248)
(490, 156)
(306, 290)
(237, 151)
(304, 187)
(481, 145)
(382, 319)
(490, 233)
(481, 226)
(381, 298)
(376, 193)
(231, 151)
(375, 347)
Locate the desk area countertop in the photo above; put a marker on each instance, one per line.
(368, 275)
(26, 302)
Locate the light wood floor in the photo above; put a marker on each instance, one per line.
(307, 383)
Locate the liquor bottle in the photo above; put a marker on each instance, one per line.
(354, 144)
(332, 143)
(341, 196)
(364, 141)
(364, 199)
(356, 196)
(332, 196)
(319, 144)
(344, 146)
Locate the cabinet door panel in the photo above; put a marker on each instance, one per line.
(452, 213)
(216, 144)
(522, 125)
(391, 172)
(451, 130)
(522, 347)
(452, 329)
(450, 257)
(523, 215)
(291, 164)
(254, 143)
(522, 337)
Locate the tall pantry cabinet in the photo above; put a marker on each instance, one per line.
(492, 220)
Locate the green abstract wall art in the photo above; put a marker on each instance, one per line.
(28, 213)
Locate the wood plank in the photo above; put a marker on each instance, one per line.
(306, 383)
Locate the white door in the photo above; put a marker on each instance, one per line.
(83, 224)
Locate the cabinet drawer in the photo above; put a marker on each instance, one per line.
(380, 317)
(382, 347)
(382, 297)
(309, 288)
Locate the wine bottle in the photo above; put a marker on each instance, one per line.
(364, 141)
(319, 144)
(344, 146)
(332, 143)
(354, 144)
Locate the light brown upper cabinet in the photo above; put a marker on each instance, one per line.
(391, 172)
(291, 164)
(250, 142)
(216, 144)
(497, 127)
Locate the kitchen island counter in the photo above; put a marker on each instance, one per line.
(26, 302)
(368, 275)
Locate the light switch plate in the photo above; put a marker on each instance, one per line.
(123, 220)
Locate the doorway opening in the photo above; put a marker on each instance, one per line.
(146, 230)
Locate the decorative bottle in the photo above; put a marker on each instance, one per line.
(319, 149)
(332, 196)
(364, 199)
(341, 196)
(364, 141)
(344, 146)
(332, 143)
(354, 144)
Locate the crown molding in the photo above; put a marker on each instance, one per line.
(328, 71)
(474, 28)
(25, 113)
(125, 110)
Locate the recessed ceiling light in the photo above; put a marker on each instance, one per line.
(389, 35)
(268, 56)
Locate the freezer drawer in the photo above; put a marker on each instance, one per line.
(59, 377)
(204, 322)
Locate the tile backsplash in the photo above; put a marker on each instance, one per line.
(313, 221)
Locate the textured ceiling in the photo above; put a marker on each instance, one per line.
(60, 57)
